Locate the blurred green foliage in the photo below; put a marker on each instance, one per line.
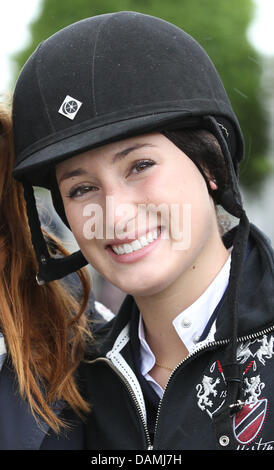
(220, 26)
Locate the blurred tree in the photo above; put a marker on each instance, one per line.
(220, 27)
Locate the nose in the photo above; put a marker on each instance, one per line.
(121, 213)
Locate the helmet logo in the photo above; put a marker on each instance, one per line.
(70, 107)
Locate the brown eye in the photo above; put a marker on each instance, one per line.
(140, 166)
(81, 191)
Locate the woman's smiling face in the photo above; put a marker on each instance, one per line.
(140, 193)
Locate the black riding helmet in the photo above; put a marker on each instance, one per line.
(107, 78)
(111, 77)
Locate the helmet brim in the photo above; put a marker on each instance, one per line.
(36, 162)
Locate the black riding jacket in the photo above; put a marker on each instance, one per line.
(126, 412)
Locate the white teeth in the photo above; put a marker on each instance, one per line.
(136, 244)
(128, 248)
(144, 241)
(149, 237)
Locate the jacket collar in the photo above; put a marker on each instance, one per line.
(256, 300)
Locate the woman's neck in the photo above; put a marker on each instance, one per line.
(160, 309)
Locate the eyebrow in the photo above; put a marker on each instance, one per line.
(125, 152)
(117, 156)
(70, 174)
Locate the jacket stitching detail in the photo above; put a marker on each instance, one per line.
(118, 360)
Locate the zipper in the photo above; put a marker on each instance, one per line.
(210, 345)
(132, 394)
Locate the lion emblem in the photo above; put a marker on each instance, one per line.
(205, 389)
(253, 388)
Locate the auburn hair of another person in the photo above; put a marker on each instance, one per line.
(44, 327)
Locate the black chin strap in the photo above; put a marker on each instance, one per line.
(50, 268)
(232, 369)
(230, 199)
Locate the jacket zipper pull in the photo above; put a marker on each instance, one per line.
(150, 447)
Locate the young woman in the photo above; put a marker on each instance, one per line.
(42, 332)
(133, 133)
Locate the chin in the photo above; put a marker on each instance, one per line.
(142, 288)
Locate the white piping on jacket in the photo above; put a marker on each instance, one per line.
(117, 359)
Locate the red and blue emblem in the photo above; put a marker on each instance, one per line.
(248, 422)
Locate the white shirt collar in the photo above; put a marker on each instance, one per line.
(189, 324)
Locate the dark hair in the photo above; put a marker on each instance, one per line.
(204, 150)
(202, 147)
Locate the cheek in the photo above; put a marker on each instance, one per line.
(163, 187)
(81, 232)
(76, 220)
(148, 189)
(177, 186)
(83, 229)
(184, 189)
(192, 219)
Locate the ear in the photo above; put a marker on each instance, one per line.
(211, 181)
(213, 184)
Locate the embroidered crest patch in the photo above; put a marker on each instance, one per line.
(248, 422)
